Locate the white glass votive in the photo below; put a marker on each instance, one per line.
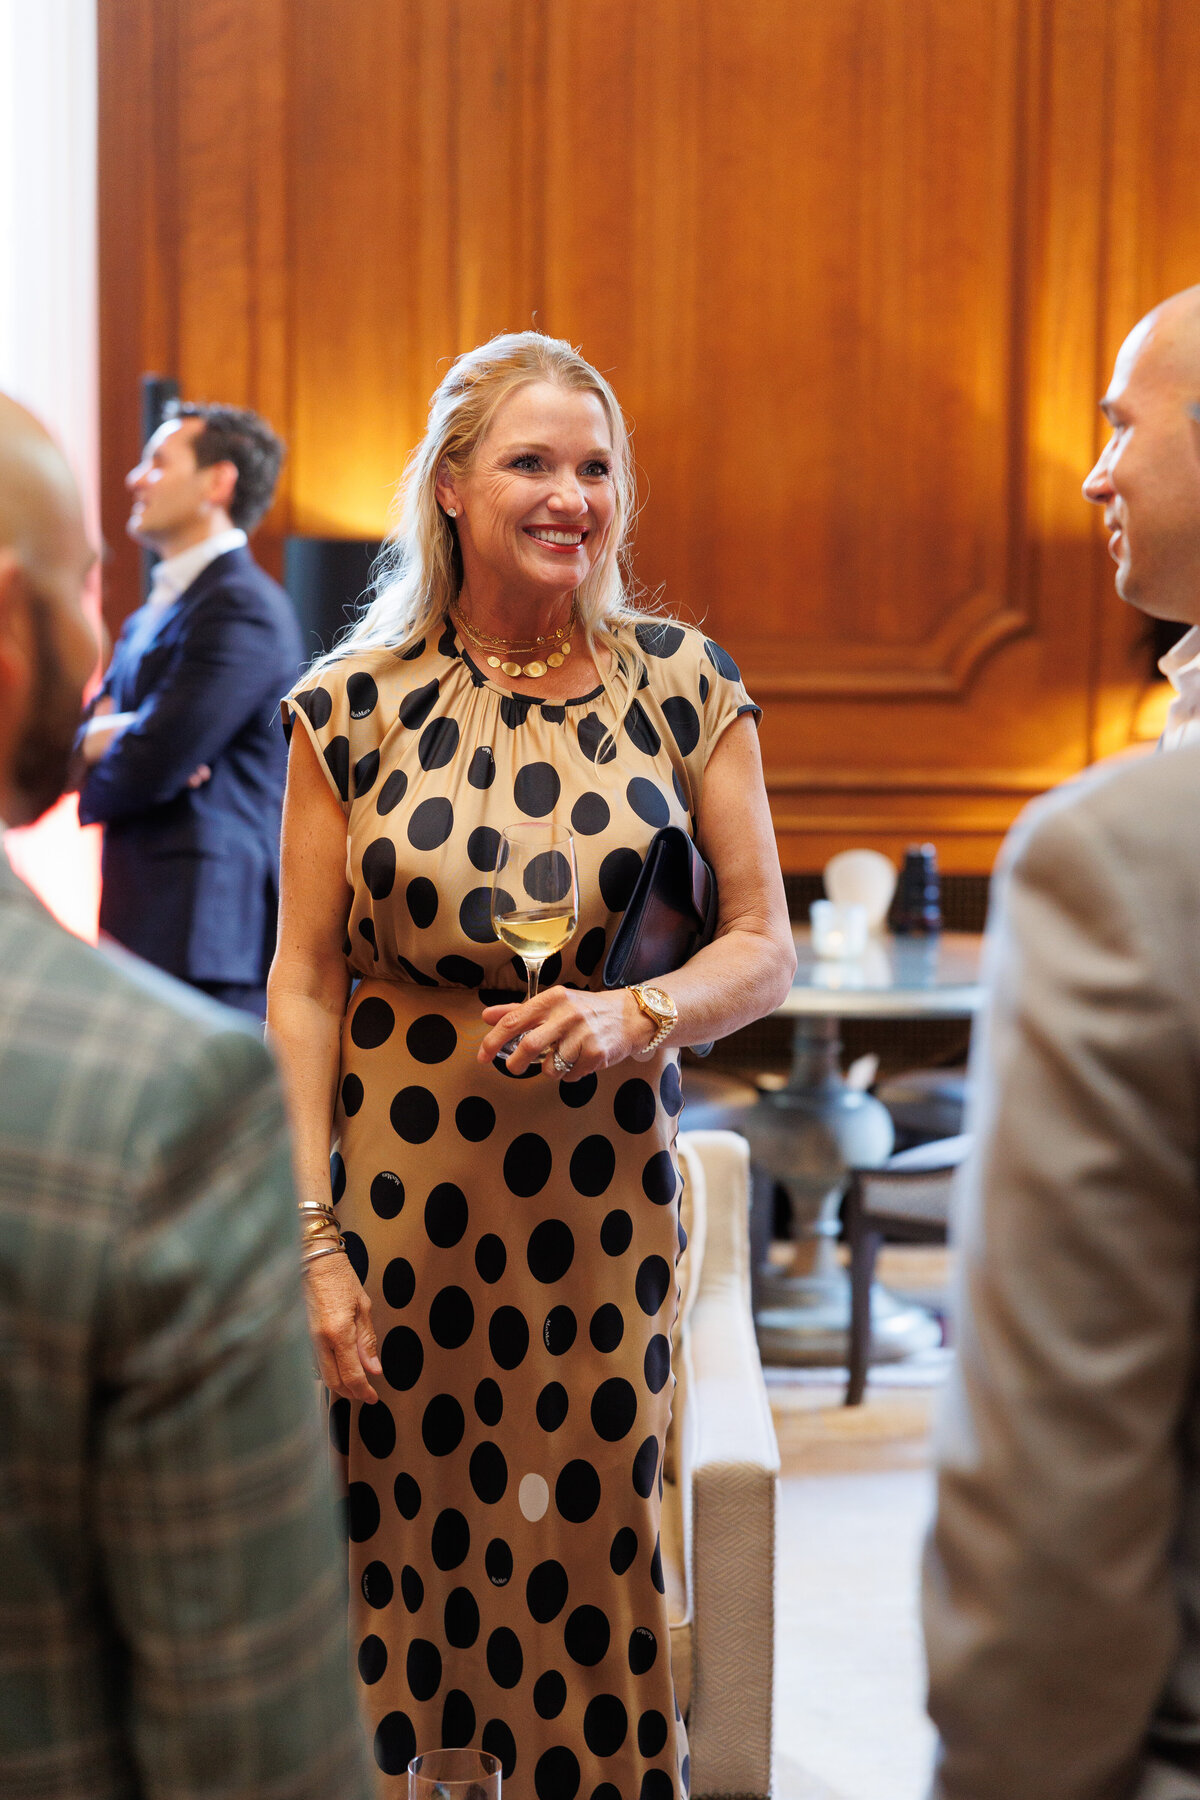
(839, 930)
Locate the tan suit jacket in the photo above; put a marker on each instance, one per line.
(1062, 1575)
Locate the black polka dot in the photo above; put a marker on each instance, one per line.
(593, 1164)
(482, 771)
(508, 1337)
(422, 900)
(365, 771)
(379, 868)
(415, 974)
(633, 1106)
(614, 1408)
(514, 710)
(439, 741)
(377, 1429)
(430, 824)
(504, 1657)
(624, 1549)
(372, 1023)
(669, 1090)
(577, 1491)
(416, 707)
(489, 1473)
(491, 1257)
(399, 1282)
(356, 1254)
(652, 1733)
(658, 638)
(414, 1115)
(644, 1465)
(616, 1233)
(366, 931)
(475, 1118)
(318, 704)
(549, 1694)
(489, 1402)
(577, 1093)
(407, 1496)
(361, 694)
(377, 1588)
(651, 1284)
(552, 1406)
(387, 1196)
(656, 1568)
(451, 1539)
(684, 721)
(498, 1563)
(458, 1720)
(590, 815)
(337, 1177)
(536, 789)
(605, 1725)
(618, 873)
(362, 1512)
(547, 880)
(337, 761)
(657, 1362)
(586, 1636)
(483, 847)
(607, 1328)
(589, 950)
(658, 1178)
(499, 1741)
(648, 802)
(560, 1330)
(451, 1318)
(414, 651)
(372, 1659)
(681, 790)
(412, 1589)
(403, 1357)
(527, 1163)
(442, 1425)
(423, 1667)
(392, 792)
(643, 1649)
(352, 1095)
(721, 661)
(475, 915)
(395, 1743)
(460, 971)
(431, 1039)
(685, 1766)
(640, 731)
(446, 1215)
(339, 1426)
(595, 740)
(556, 1776)
(546, 1591)
(550, 1251)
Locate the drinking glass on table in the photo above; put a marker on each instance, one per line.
(454, 1775)
(535, 897)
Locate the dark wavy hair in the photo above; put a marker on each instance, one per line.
(237, 435)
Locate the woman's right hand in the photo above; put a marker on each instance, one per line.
(339, 1319)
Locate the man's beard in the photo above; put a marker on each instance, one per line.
(43, 752)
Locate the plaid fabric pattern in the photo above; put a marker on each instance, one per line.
(172, 1607)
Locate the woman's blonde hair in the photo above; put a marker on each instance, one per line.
(418, 573)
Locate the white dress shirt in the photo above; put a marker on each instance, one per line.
(175, 574)
(1181, 666)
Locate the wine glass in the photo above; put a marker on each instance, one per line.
(454, 1775)
(535, 897)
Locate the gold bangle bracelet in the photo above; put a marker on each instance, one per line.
(337, 1249)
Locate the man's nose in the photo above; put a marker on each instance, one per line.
(1098, 488)
(135, 475)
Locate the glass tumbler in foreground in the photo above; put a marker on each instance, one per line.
(535, 897)
(454, 1775)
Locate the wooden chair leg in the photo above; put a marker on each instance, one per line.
(864, 1250)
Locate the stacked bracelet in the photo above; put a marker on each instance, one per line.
(322, 1250)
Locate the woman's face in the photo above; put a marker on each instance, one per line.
(536, 506)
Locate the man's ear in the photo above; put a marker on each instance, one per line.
(221, 483)
(17, 650)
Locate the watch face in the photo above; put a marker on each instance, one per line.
(659, 1001)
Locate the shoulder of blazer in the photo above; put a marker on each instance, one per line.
(238, 574)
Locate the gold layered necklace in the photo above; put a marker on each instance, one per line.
(505, 656)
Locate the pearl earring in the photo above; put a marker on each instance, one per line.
(451, 513)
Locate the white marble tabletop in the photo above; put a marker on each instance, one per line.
(895, 978)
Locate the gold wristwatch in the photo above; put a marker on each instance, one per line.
(661, 1011)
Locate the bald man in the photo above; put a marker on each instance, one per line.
(1147, 480)
(1062, 1573)
(171, 1607)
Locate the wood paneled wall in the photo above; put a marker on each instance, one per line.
(857, 269)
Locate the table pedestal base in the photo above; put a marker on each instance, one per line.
(803, 1321)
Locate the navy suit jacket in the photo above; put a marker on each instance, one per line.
(191, 875)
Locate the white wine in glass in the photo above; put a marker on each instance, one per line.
(535, 897)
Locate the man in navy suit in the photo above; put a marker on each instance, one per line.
(184, 752)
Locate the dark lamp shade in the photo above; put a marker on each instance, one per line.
(326, 579)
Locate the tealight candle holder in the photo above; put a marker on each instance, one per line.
(839, 929)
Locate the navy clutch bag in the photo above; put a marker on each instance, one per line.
(671, 914)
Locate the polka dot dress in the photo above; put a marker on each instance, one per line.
(517, 1237)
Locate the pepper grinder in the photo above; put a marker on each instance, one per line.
(917, 908)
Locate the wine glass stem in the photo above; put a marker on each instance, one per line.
(532, 971)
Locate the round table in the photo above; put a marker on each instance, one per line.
(808, 1133)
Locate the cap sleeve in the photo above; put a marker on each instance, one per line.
(723, 697)
(340, 713)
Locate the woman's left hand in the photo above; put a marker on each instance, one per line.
(589, 1031)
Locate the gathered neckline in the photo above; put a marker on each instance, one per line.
(481, 680)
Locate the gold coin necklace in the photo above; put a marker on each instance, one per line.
(502, 655)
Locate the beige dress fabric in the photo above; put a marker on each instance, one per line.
(517, 1237)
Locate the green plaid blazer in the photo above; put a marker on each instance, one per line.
(172, 1607)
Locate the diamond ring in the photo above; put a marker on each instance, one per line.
(561, 1066)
